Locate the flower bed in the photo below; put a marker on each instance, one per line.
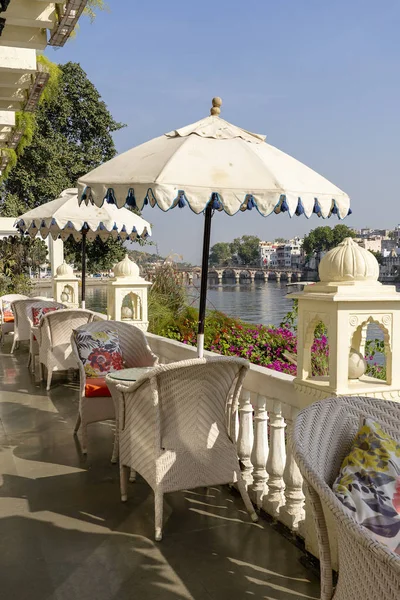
(271, 347)
(267, 346)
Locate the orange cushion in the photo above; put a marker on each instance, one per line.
(8, 318)
(96, 387)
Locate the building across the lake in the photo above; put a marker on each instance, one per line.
(285, 255)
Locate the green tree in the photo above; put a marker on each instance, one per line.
(221, 254)
(92, 6)
(246, 249)
(340, 232)
(100, 256)
(325, 238)
(18, 254)
(279, 240)
(18, 257)
(12, 206)
(72, 136)
(378, 256)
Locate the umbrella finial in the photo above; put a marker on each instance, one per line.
(216, 104)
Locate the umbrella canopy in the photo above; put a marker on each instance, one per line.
(64, 217)
(212, 165)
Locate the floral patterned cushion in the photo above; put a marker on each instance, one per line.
(38, 313)
(99, 351)
(366, 484)
(6, 309)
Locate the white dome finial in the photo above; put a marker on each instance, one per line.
(64, 270)
(126, 268)
(348, 262)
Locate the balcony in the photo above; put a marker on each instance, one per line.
(25, 27)
(65, 533)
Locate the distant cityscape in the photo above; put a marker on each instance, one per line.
(384, 243)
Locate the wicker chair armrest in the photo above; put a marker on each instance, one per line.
(133, 398)
(147, 359)
(82, 373)
(44, 334)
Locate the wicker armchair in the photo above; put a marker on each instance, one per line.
(173, 428)
(7, 323)
(136, 352)
(54, 338)
(322, 437)
(23, 323)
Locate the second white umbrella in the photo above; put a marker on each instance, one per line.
(64, 217)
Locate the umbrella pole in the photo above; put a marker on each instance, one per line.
(204, 279)
(85, 229)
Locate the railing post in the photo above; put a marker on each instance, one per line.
(245, 438)
(292, 514)
(276, 461)
(259, 455)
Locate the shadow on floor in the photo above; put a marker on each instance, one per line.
(65, 535)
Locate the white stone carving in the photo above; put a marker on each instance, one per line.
(348, 262)
(347, 299)
(127, 295)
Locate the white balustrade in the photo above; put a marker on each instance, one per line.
(292, 513)
(276, 461)
(261, 427)
(259, 455)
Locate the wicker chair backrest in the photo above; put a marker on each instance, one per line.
(60, 323)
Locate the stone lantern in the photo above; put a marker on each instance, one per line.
(346, 300)
(65, 286)
(127, 295)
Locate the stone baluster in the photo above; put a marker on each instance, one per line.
(292, 514)
(276, 461)
(259, 454)
(245, 437)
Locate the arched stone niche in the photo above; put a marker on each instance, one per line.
(65, 286)
(359, 338)
(131, 309)
(347, 304)
(309, 335)
(127, 295)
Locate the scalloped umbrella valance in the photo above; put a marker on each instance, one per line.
(212, 165)
(63, 217)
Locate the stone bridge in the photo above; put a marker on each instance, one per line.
(242, 274)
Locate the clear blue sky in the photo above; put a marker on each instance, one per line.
(320, 79)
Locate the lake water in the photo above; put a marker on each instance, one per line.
(257, 302)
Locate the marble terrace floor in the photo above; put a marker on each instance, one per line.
(65, 535)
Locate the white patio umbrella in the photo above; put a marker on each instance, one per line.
(212, 165)
(64, 217)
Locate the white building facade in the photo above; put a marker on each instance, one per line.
(288, 255)
(28, 26)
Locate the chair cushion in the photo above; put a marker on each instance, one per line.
(366, 484)
(38, 313)
(99, 351)
(8, 315)
(96, 387)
